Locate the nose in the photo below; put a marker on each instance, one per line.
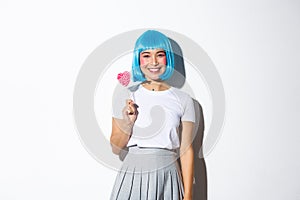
(154, 60)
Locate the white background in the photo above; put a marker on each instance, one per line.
(255, 46)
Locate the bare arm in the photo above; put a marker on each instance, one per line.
(122, 128)
(187, 158)
(118, 138)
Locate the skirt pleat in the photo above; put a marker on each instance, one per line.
(148, 174)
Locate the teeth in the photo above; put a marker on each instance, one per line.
(153, 69)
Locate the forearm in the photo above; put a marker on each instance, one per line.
(187, 167)
(118, 141)
(120, 135)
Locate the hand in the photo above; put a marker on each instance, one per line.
(130, 107)
(130, 111)
(129, 116)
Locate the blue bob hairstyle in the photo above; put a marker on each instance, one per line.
(152, 39)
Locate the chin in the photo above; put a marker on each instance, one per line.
(153, 79)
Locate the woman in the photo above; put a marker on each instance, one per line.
(150, 169)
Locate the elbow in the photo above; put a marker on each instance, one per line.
(187, 150)
(115, 149)
(118, 141)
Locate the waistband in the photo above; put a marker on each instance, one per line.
(151, 150)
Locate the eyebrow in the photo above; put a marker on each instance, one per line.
(161, 51)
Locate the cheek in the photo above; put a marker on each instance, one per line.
(164, 60)
(142, 61)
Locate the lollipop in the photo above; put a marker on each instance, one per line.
(124, 79)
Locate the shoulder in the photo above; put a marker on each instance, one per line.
(134, 88)
(182, 95)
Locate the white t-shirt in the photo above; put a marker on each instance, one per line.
(159, 115)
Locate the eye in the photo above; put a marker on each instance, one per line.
(161, 55)
(145, 56)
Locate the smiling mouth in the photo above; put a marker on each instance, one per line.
(153, 69)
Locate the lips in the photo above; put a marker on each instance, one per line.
(153, 69)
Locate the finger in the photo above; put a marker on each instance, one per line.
(127, 110)
(131, 105)
(131, 110)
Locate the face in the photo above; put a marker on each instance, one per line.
(153, 63)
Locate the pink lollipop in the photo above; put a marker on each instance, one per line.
(124, 78)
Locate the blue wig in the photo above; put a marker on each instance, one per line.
(152, 39)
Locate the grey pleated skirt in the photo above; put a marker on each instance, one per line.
(148, 174)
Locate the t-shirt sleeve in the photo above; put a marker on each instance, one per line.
(188, 110)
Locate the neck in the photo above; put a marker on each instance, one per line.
(155, 85)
